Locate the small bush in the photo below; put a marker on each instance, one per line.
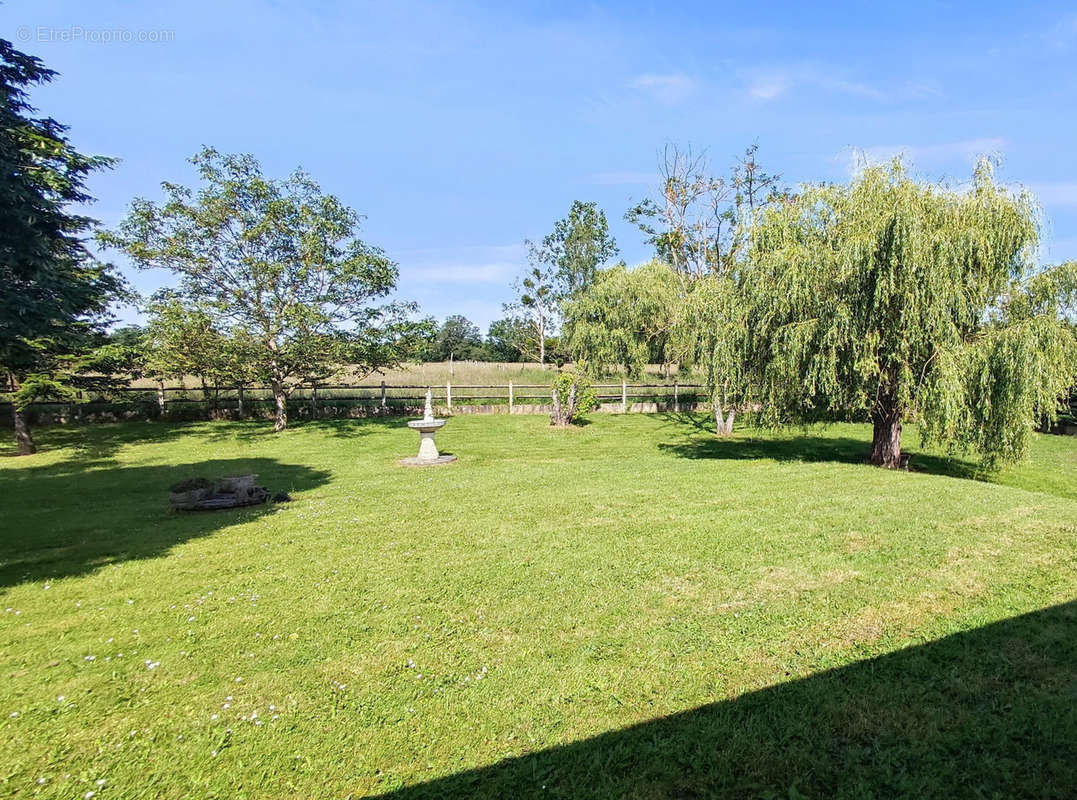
(573, 396)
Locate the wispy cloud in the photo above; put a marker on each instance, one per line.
(463, 273)
(926, 155)
(770, 83)
(1055, 194)
(622, 178)
(669, 89)
(1063, 34)
(468, 264)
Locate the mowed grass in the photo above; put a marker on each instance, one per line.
(630, 608)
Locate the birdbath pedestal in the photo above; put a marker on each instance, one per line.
(427, 427)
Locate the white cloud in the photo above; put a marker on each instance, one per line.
(463, 273)
(771, 83)
(1063, 34)
(466, 264)
(668, 89)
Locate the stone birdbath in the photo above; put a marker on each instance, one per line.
(427, 427)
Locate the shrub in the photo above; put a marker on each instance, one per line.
(573, 396)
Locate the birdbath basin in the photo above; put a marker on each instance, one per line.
(427, 427)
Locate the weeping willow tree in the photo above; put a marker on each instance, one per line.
(908, 301)
(710, 327)
(624, 318)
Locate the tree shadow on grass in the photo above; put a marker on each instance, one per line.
(93, 444)
(811, 448)
(983, 714)
(97, 442)
(337, 427)
(60, 521)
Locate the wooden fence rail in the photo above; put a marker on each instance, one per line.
(128, 401)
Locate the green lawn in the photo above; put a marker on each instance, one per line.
(631, 608)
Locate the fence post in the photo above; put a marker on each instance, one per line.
(624, 397)
(676, 399)
(448, 395)
(510, 397)
(383, 397)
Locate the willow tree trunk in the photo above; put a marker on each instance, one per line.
(23, 439)
(886, 438)
(239, 401)
(723, 424)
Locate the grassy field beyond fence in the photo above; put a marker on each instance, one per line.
(463, 385)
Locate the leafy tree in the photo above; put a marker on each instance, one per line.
(535, 310)
(699, 222)
(55, 294)
(275, 261)
(503, 337)
(910, 301)
(701, 225)
(624, 318)
(185, 339)
(457, 339)
(182, 340)
(561, 267)
(579, 244)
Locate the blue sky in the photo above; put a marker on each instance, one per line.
(461, 129)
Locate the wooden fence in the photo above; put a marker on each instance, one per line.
(342, 400)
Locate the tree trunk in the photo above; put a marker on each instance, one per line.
(562, 413)
(161, 397)
(886, 438)
(723, 423)
(282, 407)
(23, 439)
(239, 401)
(724, 426)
